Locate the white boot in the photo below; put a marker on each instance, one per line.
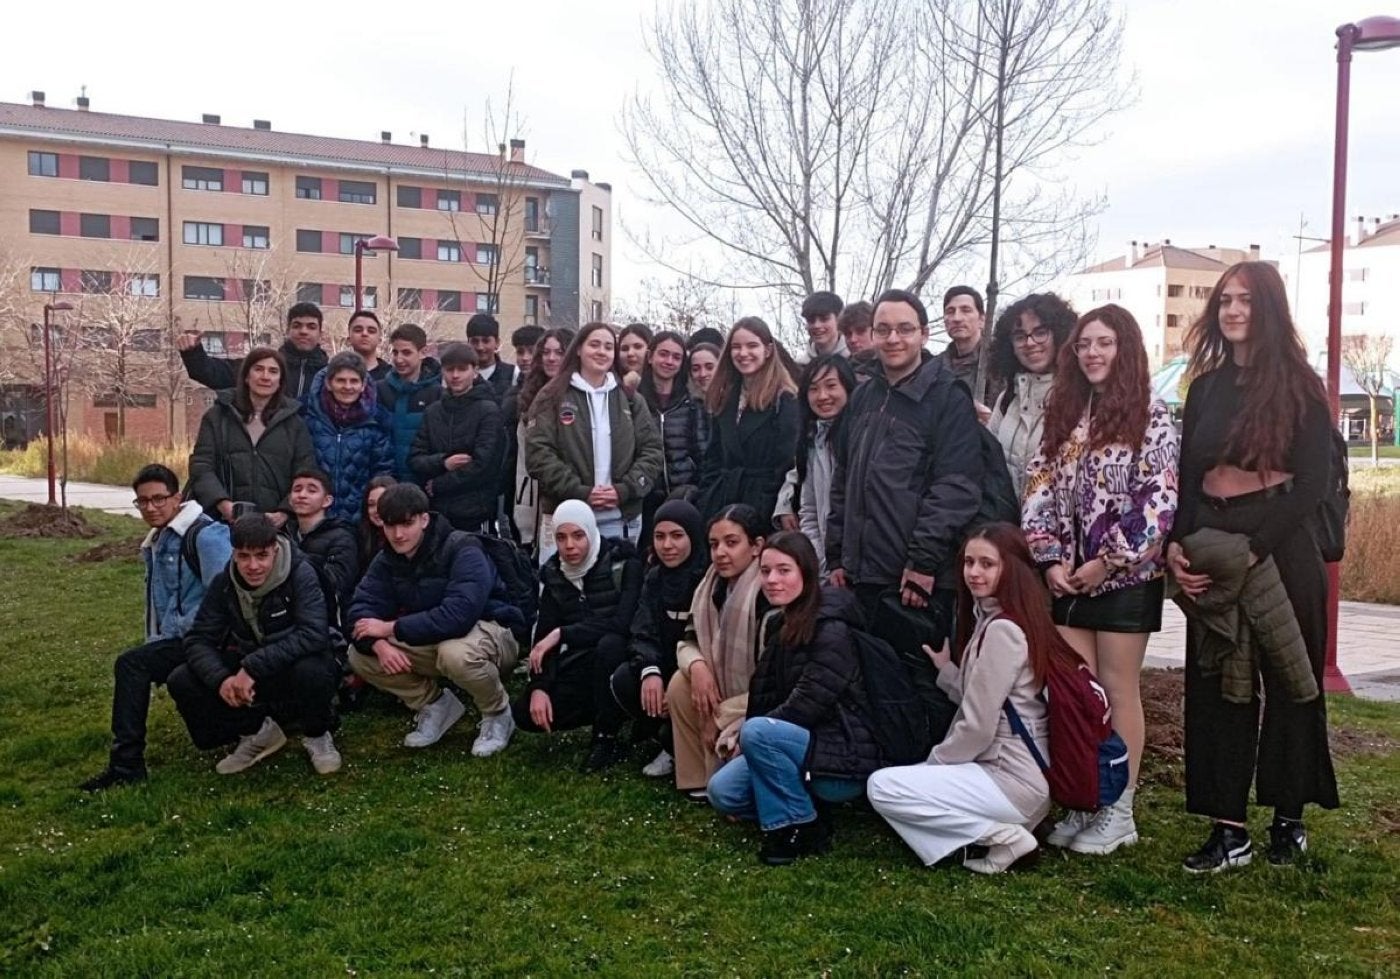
(1075, 822)
(1112, 827)
(1006, 844)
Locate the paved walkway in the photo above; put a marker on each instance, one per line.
(112, 499)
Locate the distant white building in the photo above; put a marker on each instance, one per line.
(1370, 285)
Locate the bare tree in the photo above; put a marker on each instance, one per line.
(683, 304)
(1368, 359)
(848, 144)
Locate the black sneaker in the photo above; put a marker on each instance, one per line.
(604, 753)
(1288, 840)
(110, 777)
(784, 846)
(1228, 846)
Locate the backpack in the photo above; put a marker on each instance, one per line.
(1088, 769)
(999, 503)
(517, 573)
(897, 713)
(1334, 505)
(189, 555)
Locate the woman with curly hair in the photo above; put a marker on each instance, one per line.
(1027, 339)
(1099, 502)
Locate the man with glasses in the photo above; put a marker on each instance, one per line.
(183, 553)
(907, 482)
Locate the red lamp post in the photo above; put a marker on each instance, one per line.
(379, 243)
(1371, 34)
(49, 310)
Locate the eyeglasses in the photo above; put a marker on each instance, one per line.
(1102, 343)
(1037, 336)
(905, 330)
(151, 502)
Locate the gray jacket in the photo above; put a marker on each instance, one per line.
(1019, 423)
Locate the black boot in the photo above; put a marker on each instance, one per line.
(1288, 840)
(605, 752)
(784, 846)
(1228, 846)
(110, 777)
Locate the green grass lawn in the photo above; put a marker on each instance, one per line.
(1364, 451)
(413, 862)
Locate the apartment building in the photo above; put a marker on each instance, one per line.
(200, 225)
(1370, 293)
(1164, 286)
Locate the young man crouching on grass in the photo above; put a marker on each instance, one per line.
(259, 656)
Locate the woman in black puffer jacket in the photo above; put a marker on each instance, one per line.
(664, 388)
(808, 735)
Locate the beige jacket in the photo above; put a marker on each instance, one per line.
(1018, 428)
(996, 668)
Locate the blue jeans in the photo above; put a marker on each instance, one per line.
(765, 781)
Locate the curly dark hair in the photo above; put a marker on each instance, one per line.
(1051, 310)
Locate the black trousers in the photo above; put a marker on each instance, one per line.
(580, 690)
(300, 698)
(1226, 747)
(626, 685)
(134, 672)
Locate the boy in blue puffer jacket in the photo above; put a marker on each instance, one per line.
(406, 394)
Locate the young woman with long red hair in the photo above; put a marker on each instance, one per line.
(981, 785)
(1099, 502)
(1255, 462)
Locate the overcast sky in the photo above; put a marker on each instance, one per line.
(1230, 139)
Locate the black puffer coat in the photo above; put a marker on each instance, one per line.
(748, 457)
(604, 607)
(819, 687)
(469, 423)
(679, 422)
(226, 465)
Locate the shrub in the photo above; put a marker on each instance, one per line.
(1371, 571)
(94, 460)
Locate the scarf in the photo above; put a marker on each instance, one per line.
(250, 600)
(580, 514)
(343, 415)
(678, 584)
(726, 635)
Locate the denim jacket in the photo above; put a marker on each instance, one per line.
(173, 590)
(1116, 502)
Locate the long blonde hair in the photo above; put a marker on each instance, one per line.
(772, 380)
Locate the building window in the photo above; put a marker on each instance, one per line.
(94, 168)
(449, 251)
(596, 276)
(201, 178)
(449, 200)
(1173, 321)
(43, 223)
(1200, 292)
(95, 225)
(201, 233)
(1354, 309)
(410, 196)
(1174, 292)
(595, 311)
(357, 192)
(410, 248)
(486, 204)
(487, 302)
(449, 301)
(43, 164)
(1356, 275)
(254, 183)
(254, 236)
(532, 310)
(309, 188)
(144, 285)
(145, 229)
(532, 214)
(347, 241)
(45, 280)
(370, 297)
(597, 224)
(410, 299)
(148, 342)
(347, 297)
(486, 254)
(309, 292)
(204, 287)
(308, 240)
(143, 172)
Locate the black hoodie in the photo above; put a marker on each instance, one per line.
(469, 423)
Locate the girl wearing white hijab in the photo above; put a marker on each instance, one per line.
(590, 589)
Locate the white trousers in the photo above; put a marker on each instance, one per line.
(938, 808)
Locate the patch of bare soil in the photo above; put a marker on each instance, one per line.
(118, 550)
(41, 520)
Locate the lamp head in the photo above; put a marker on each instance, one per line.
(1373, 33)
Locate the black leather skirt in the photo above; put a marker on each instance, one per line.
(1135, 609)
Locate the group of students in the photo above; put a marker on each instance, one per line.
(718, 526)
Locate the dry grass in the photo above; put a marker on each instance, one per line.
(94, 460)
(1371, 571)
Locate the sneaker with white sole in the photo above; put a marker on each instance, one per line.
(1075, 822)
(1112, 827)
(1005, 845)
(253, 748)
(325, 757)
(660, 766)
(1227, 847)
(494, 735)
(435, 720)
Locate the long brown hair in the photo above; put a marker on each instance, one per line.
(773, 378)
(536, 379)
(548, 398)
(1022, 597)
(799, 617)
(1122, 408)
(1277, 385)
(242, 400)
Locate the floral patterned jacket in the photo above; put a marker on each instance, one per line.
(1117, 502)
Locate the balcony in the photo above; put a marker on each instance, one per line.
(536, 275)
(537, 229)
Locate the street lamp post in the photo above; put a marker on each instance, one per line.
(1371, 34)
(49, 310)
(379, 243)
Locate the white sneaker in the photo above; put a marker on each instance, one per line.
(253, 748)
(325, 757)
(1113, 826)
(494, 735)
(1075, 822)
(660, 766)
(435, 720)
(1005, 845)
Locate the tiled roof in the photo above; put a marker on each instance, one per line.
(265, 143)
(1387, 233)
(1158, 256)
